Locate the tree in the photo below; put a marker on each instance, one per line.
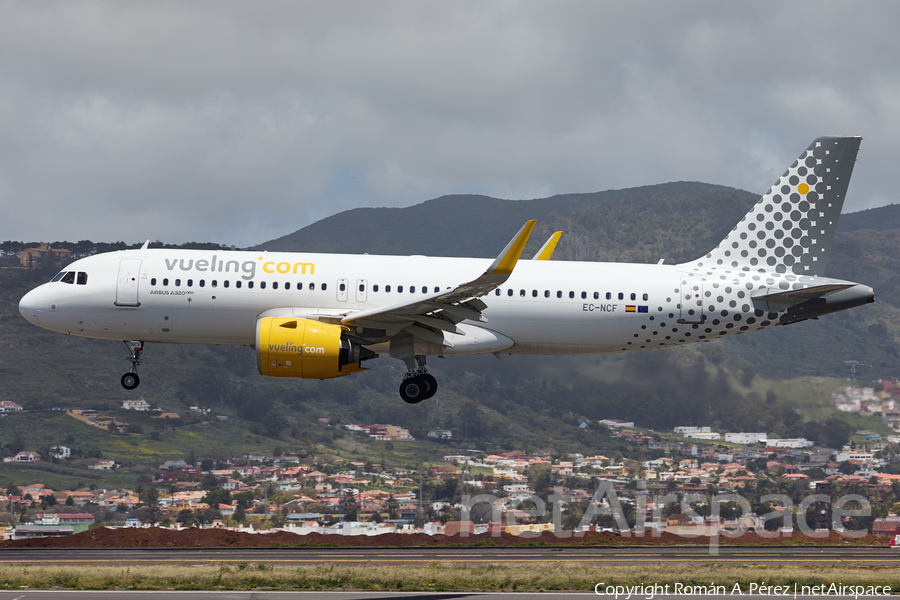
(216, 497)
(149, 497)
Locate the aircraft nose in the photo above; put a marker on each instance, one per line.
(28, 307)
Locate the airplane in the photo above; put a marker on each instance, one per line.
(319, 316)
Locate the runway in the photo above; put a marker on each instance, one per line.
(594, 555)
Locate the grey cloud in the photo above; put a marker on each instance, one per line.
(239, 122)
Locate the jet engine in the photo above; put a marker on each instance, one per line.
(306, 349)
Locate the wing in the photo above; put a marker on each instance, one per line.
(428, 316)
(547, 249)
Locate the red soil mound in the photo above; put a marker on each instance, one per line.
(156, 537)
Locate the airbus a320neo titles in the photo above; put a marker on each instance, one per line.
(318, 316)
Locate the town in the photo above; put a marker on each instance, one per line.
(688, 481)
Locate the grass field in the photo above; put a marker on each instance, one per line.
(439, 576)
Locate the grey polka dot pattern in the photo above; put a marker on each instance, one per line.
(781, 244)
(791, 228)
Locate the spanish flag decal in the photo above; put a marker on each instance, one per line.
(630, 308)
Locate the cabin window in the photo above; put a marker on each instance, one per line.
(509, 292)
(362, 287)
(546, 293)
(262, 285)
(645, 297)
(166, 281)
(323, 287)
(274, 285)
(436, 289)
(522, 293)
(177, 283)
(69, 277)
(343, 287)
(312, 286)
(559, 293)
(497, 292)
(287, 285)
(375, 288)
(609, 295)
(82, 278)
(596, 295)
(202, 283)
(400, 288)
(237, 284)
(621, 296)
(225, 283)
(214, 283)
(633, 296)
(190, 283)
(571, 294)
(583, 295)
(153, 281)
(387, 288)
(534, 293)
(250, 285)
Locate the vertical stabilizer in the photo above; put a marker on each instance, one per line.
(791, 228)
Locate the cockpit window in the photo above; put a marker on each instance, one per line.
(58, 277)
(82, 278)
(69, 277)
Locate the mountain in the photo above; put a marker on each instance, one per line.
(675, 221)
(755, 382)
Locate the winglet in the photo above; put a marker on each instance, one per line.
(504, 264)
(549, 246)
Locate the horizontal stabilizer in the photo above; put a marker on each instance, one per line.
(777, 299)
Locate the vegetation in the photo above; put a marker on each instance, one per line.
(434, 577)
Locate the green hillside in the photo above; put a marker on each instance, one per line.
(772, 381)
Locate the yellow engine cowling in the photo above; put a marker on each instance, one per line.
(306, 349)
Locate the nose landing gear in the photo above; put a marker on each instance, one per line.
(131, 380)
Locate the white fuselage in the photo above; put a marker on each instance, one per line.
(546, 307)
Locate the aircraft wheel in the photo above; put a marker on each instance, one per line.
(431, 383)
(413, 390)
(130, 381)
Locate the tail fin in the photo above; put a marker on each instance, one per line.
(791, 228)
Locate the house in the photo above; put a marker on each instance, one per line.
(60, 452)
(103, 465)
(23, 456)
(34, 257)
(442, 434)
(7, 406)
(169, 416)
(140, 405)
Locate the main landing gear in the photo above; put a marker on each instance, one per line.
(131, 380)
(418, 384)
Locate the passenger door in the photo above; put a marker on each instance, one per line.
(127, 282)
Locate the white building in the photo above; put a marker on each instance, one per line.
(746, 438)
(7, 406)
(687, 429)
(60, 452)
(703, 435)
(140, 405)
(866, 457)
(616, 423)
(789, 443)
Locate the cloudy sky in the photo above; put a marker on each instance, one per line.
(238, 122)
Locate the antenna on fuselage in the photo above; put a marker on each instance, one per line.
(146, 245)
